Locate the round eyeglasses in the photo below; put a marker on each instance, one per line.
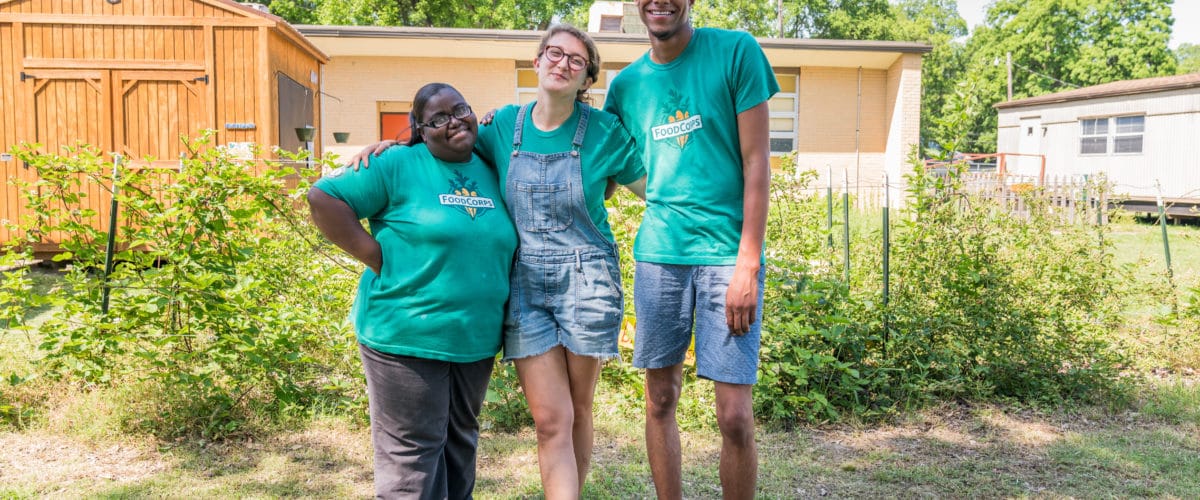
(460, 112)
(556, 54)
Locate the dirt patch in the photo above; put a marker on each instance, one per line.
(49, 459)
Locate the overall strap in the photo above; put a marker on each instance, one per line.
(519, 128)
(581, 129)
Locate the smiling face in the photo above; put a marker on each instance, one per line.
(557, 77)
(453, 141)
(665, 18)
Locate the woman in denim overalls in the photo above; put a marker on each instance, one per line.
(555, 158)
(565, 305)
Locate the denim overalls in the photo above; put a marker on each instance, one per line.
(566, 284)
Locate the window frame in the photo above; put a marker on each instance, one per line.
(793, 114)
(1140, 134)
(1084, 135)
(1112, 134)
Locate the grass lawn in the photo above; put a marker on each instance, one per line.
(954, 451)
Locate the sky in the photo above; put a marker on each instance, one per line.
(1185, 12)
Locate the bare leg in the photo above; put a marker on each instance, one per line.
(662, 431)
(584, 372)
(560, 387)
(739, 455)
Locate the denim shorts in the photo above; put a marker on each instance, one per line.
(572, 300)
(666, 299)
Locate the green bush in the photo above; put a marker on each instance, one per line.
(984, 304)
(222, 295)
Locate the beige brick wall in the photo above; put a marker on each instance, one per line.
(890, 113)
(361, 83)
(828, 110)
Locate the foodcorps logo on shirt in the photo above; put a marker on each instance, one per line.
(464, 197)
(678, 126)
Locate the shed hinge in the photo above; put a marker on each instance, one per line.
(26, 76)
(201, 79)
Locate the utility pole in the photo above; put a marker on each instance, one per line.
(1008, 56)
(779, 17)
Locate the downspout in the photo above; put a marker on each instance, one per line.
(858, 140)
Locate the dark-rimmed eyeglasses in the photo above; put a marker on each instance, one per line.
(460, 112)
(556, 54)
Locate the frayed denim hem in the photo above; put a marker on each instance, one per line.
(603, 357)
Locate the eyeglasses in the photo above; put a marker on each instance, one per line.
(556, 54)
(460, 112)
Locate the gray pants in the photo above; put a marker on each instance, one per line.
(424, 423)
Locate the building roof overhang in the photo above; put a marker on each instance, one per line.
(1112, 89)
(455, 43)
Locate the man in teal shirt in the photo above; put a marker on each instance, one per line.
(696, 104)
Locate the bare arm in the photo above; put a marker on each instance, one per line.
(638, 188)
(338, 222)
(741, 301)
(363, 158)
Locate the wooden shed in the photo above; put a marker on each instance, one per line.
(131, 76)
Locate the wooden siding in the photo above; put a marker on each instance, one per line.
(287, 59)
(135, 77)
(113, 47)
(235, 77)
(126, 9)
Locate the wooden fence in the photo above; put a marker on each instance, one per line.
(1073, 199)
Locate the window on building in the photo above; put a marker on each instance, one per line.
(610, 24)
(1128, 135)
(1093, 136)
(783, 109)
(527, 82)
(1124, 133)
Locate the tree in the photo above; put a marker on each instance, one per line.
(1062, 44)
(757, 17)
(937, 23)
(1188, 55)
(838, 19)
(293, 11)
(486, 14)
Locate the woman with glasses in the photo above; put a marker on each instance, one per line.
(430, 307)
(555, 157)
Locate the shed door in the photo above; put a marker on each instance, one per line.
(70, 106)
(156, 110)
(1030, 143)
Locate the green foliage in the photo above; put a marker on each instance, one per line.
(1188, 57)
(504, 408)
(488, 14)
(222, 295)
(757, 18)
(837, 19)
(982, 305)
(1058, 45)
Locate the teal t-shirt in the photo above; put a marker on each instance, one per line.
(683, 115)
(608, 151)
(447, 245)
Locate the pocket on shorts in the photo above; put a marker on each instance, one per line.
(599, 301)
(543, 208)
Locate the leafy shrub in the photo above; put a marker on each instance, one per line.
(984, 304)
(222, 295)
